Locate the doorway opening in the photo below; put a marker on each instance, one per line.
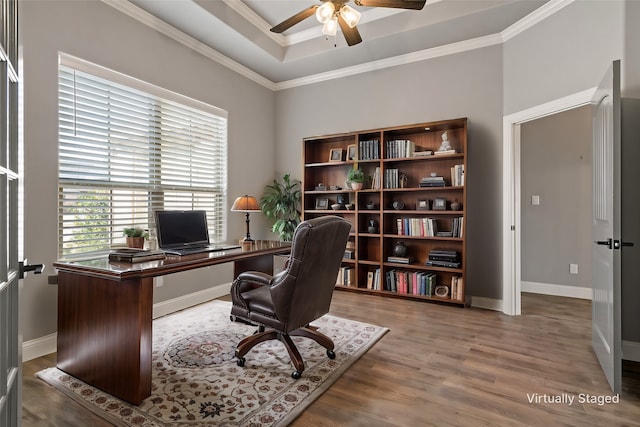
(512, 197)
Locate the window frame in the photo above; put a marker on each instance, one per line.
(185, 196)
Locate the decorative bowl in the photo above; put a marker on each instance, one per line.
(337, 206)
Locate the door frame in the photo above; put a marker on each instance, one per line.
(511, 197)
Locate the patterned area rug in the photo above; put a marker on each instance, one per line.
(196, 380)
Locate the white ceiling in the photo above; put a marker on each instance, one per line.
(236, 32)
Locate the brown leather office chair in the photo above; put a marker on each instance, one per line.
(286, 303)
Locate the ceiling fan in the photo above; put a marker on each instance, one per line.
(337, 12)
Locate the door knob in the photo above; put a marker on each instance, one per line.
(608, 243)
(24, 268)
(617, 244)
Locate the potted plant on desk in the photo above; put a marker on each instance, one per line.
(135, 237)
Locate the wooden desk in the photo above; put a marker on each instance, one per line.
(105, 314)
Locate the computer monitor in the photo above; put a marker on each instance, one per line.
(182, 229)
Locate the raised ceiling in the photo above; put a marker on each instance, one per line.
(236, 32)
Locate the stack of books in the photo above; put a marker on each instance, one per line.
(444, 258)
(432, 181)
(134, 255)
(441, 152)
(400, 259)
(424, 153)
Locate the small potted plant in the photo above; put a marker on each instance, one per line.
(135, 237)
(355, 178)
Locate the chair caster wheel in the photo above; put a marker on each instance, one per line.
(296, 375)
(240, 362)
(331, 354)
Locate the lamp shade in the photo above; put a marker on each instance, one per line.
(325, 12)
(245, 204)
(350, 15)
(330, 28)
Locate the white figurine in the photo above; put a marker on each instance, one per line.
(444, 146)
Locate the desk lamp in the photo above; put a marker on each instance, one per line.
(246, 204)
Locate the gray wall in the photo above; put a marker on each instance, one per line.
(566, 53)
(631, 55)
(555, 158)
(440, 88)
(98, 33)
(630, 228)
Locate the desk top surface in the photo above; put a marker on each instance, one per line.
(103, 267)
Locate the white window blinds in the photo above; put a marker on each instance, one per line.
(126, 150)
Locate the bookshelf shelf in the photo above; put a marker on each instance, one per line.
(425, 186)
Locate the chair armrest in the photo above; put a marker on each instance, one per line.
(245, 282)
(255, 277)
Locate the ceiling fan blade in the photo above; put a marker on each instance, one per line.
(398, 4)
(351, 35)
(298, 17)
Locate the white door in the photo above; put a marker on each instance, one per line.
(10, 345)
(606, 257)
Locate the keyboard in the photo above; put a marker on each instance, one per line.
(199, 249)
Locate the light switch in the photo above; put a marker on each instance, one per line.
(535, 200)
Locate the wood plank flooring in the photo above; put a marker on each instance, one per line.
(442, 366)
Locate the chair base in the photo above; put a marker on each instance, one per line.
(308, 332)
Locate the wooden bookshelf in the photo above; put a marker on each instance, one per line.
(396, 205)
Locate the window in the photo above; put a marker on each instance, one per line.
(126, 149)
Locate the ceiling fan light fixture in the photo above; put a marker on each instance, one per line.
(330, 28)
(325, 12)
(350, 15)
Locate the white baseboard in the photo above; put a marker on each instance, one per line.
(631, 351)
(176, 304)
(486, 303)
(556, 290)
(38, 347)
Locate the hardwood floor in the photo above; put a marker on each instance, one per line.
(440, 365)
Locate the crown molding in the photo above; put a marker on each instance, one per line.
(256, 20)
(161, 26)
(408, 58)
(535, 17)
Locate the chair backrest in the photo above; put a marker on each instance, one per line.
(302, 293)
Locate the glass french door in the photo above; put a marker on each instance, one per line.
(10, 337)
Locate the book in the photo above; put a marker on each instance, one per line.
(440, 152)
(132, 255)
(445, 264)
(400, 260)
(423, 153)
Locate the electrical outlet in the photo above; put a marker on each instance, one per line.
(573, 268)
(535, 200)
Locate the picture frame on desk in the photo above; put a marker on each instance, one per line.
(322, 204)
(335, 155)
